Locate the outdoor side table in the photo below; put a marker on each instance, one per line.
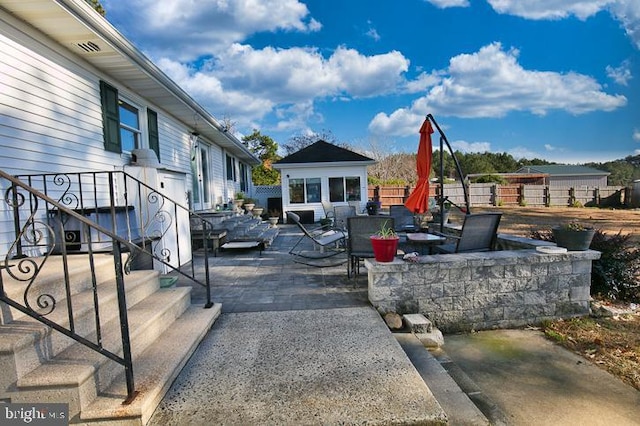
(423, 240)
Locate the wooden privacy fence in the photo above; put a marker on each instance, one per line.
(490, 194)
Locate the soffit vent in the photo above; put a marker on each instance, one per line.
(88, 46)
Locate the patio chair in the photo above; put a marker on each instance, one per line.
(358, 207)
(403, 217)
(479, 233)
(360, 228)
(330, 242)
(328, 209)
(340, 215)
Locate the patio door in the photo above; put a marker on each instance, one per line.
(201, 177)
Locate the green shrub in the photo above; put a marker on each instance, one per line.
(616, 275)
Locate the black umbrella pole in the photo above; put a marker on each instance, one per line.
(443, 137)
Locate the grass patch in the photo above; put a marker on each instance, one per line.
(613, 343)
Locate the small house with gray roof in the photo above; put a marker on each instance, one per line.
(322, 172)
(572, 176)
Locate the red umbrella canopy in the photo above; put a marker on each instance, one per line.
(418, 201)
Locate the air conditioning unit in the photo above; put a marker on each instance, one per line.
(144, 158)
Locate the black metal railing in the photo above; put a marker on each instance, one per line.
(94, 213)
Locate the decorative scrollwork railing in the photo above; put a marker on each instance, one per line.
(96, 213)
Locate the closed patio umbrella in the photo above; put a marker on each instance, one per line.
(418, 201)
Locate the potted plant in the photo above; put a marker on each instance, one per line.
(257, 211)
(373, 207)
(274, 217)
(573, 236)
(326, 223)
(239, 200)
(385, 243)
(249, 204)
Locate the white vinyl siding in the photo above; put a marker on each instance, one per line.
(51, 117)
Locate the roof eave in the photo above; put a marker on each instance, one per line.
(82, 17)
(315, 165)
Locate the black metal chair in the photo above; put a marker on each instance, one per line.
(403, 218)
(330, 242)
(340, 216)
(360, 228)
(479, 233)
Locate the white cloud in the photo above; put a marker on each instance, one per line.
(549, 9)
(248, 83)
(422, 82)
(520, 152)
(625, 11)
(621, 74)
(373, 33)
(464, 146)
(401, 122)
(549, 147)
(628, 12)
(491, 83)
(443, 4)
(636, 135)
(184, 30)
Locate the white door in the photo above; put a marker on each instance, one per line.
(201, 177)
(177, 241)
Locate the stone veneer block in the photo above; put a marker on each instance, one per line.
(486, 290)
(417, 323)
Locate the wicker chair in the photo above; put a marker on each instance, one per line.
(360, 228)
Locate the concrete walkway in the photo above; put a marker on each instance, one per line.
(301, 345)
(518, 377)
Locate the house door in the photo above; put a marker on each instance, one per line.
(201, 177)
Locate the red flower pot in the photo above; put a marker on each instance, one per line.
(384, 249)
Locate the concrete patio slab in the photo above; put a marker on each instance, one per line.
(327, 366)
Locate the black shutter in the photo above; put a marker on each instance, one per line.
(110, 118)
(152, 125)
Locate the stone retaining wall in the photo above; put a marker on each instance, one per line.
(473, 291)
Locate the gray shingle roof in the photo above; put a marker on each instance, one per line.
(323, 152)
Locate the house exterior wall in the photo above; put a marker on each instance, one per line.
(51, 119)
(578, 181)
(323, 171)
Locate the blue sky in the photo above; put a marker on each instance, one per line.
(552, 79)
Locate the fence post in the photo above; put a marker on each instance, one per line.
(547, 196)
(376, 193)
(572, 196)
(596, 195)
(406, 194)
(494, 191)
(521, 198)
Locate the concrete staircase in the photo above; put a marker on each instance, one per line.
(39, 364)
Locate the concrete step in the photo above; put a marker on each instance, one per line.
(454, 401)
(27, 343)
(78, 374)
(49, 278)
(155, 369)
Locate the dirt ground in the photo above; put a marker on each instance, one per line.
(521, 220)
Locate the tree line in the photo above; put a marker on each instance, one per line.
(400, 168)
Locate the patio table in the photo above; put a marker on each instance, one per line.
(423, 239)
